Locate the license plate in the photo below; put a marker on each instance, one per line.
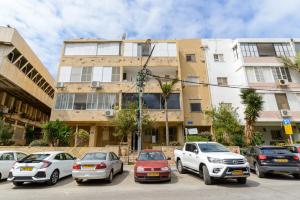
(26, 169)
(237, 172)
(281, 160)
(88, 166)
(153, 174)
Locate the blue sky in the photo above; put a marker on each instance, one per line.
(45, 24)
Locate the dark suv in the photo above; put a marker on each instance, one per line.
(271, 159)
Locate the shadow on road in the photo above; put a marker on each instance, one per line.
(3, 181)
(284, 177)
(118, 178)
(174, 179)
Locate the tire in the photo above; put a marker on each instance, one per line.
(296, 176)
(242, 180)
(53, 178)
(258, 172)
(179, 167)
(18, 183)
(79, 181)
(207, 178)
(110, 177)
(0, 176)
(121, 170)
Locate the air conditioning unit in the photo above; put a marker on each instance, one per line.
(60, 85)
(109, 113)
(285, 113)
(283, 82)
(96, 84)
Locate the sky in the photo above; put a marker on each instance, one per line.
(45, 24)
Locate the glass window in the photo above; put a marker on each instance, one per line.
(222, 81)
(7, 156)
(86, 75)
(152, 101)
(128, 99)
(218, 57)
(173, 101)
(276, 150)
(69, 157)
(259, 74)
(282, 101)
(212, 147)
(249, 50)
(80, 102)
(64, 101)
(20, 156)
(60, 156)
(95, 156)
(266, 49)
(115, 77)
(155, 155)
(195, 107)
(92, 100)
(107, 101)
(144, 49)
(281, 73)
(172, 134)
(192, 80)
(283, 49)
(34, 157)
(76, 74)
(190, 57)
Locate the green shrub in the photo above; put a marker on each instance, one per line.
(197, 138)
(36, 143)
(257, 139)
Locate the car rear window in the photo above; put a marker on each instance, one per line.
(212, 147)
(94, 156)
(151, 156)
(34, 158)
(270, 151)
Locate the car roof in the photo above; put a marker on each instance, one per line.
(49, 152)
(151, 150)
(270, 147)
(204, 142)
(9, 152)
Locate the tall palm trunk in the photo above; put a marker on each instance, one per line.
(248, 132)
(167, 122)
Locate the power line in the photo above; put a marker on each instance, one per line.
(225, 86)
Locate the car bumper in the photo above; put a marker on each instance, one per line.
(227, 171)
(90, 174)
(40, 176)
(280, 169)
(143, 177)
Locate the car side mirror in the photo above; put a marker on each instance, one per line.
(169, 158)
(196, 151)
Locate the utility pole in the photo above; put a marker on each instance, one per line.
(141, 79)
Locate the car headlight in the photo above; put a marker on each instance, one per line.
(140, 169)
(165, 169)
(215, 160)
(245, 160)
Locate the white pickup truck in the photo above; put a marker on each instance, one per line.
(211, 160)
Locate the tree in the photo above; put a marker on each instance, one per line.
(82, 138)
(167, 89)
(292, 64)
(56, 133)
(29, 134)
(226, 125)
(6, 133)
(125, 122)
(253, 105)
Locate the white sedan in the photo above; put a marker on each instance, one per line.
(46, 167)
(7, 160)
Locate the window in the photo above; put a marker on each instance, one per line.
(115, 76)
(276, 135)
(192, 80)
(64, 101)
(60, 156)
(249, 50)
(195, 107)
(86, 75)
(173, 101)
(144, 49)
(190, 147)
(20, 156)
(7, 156)
(259, 74)
(218, 57)
(152, 101)
(297, 48)
(190, 58)
(107, 101)
(281, 73)
(282, 102)
(283, 49)
(76, 74)
(68, 157)
(266, 49)
(92, 100)
(222, 81)
(80, 102)
(235, 52)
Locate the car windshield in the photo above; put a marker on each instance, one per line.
(272, 151)
(34, 158)
(212, 147)
(94, 156)
(152, 156)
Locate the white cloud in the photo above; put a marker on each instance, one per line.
(45, 24)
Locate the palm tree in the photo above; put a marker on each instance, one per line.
(166, 88)
(292, 64)
(254, 104)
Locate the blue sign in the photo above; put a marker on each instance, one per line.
(286, 121)
(189, 122)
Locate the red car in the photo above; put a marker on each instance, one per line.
(152, 165)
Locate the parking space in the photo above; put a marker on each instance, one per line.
(182, 186)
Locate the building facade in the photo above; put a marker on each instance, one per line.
(26, 87)
(97, 78)
(255, 63)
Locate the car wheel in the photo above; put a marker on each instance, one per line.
(0, 176)
(79, 181)
(18, 183)
(53, 178)
(207, 178)
(242, 180)
(296, 176)
(121, 170)
(180, 167)
(258, 172)
(110, 177)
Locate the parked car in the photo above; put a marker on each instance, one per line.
(46, 167)
(211, 161)
(152, 165)
(271, 159)
(97, 165)
(295, 149)
(7, 160)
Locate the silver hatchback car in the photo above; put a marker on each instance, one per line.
(97, 165)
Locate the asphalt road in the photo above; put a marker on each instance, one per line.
(182, 186)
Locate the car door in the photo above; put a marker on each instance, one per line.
(194, 157)
(184, 157)
(118, 162)
(69, 163)
(60, 164)
(7, 160)
(248, 157)
(189, 156)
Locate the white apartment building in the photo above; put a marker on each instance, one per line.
(254, 63)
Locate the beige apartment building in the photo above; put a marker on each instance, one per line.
(96, 78)
(26, 87)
